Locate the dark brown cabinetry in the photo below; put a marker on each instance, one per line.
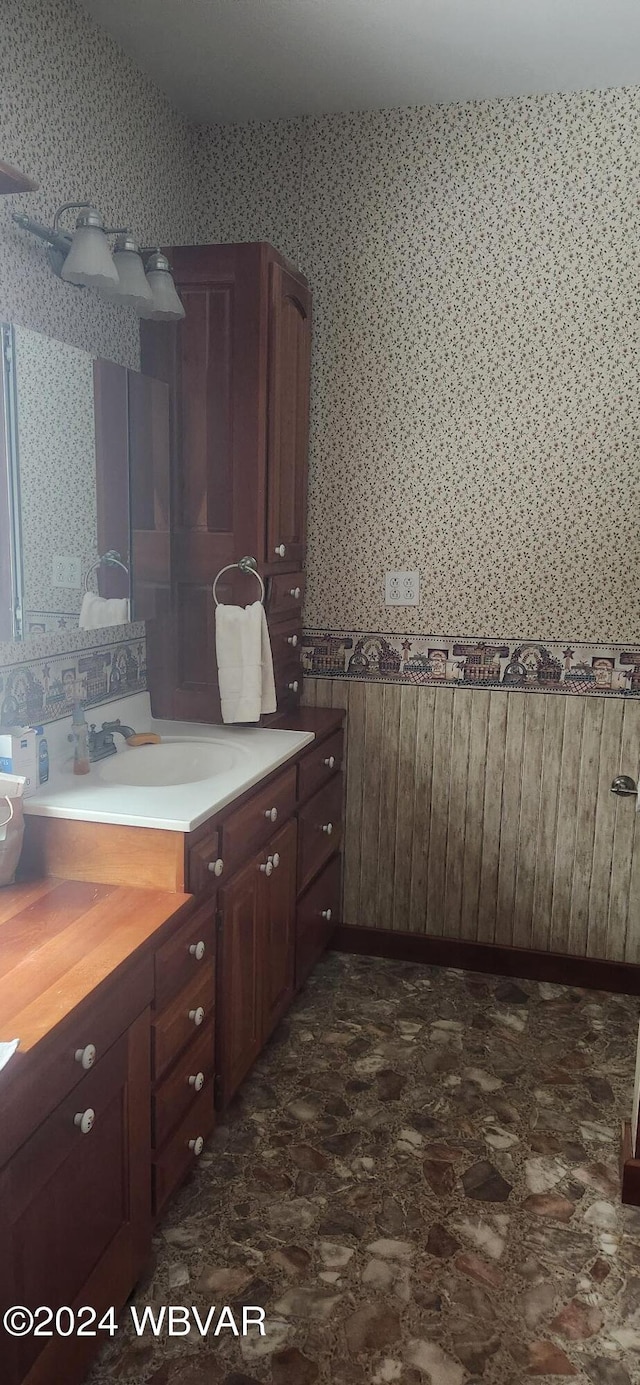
(256, 956)
(238, 370)
(75, 1207)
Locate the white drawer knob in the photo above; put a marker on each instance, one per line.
(330, 761)
(197, 1080)
(267, 867)
(197, 1015)
(84, 1120)
(276, 859)
(295, 592)
(293, 687)
(328, 828)
(197, 1145)
(280, 550)
(292, 639)
(271, 814)
(86, 1056)
(326, 914)
(197, 950)
(216, 867)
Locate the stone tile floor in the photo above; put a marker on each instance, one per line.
(419, 1184)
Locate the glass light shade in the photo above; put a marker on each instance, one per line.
(166, 303)
(132, 286)
(90, 261)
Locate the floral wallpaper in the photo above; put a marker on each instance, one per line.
(475, 387)
(79, 118)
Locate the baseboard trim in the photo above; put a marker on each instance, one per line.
(629, 1169)
(593, 973)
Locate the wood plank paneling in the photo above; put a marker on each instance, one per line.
(489, 817)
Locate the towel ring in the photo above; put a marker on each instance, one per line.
(245, 565)
(112, 558)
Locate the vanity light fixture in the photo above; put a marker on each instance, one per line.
(165, 300)
(84, 258)
(132, 285)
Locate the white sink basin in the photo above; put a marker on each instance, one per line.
(172, 762)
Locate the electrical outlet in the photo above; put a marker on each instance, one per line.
(402, 588)
(65, 570)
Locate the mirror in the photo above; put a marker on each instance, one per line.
(80, 441)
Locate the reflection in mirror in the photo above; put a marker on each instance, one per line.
(59, 521)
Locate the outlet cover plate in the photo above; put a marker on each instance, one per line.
(402, 588)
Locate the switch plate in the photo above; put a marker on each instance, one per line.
(65, 570)
(402, 588)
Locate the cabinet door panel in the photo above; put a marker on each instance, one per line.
(317, 915)
(239, 1035)
(288, 441)
(278, 937)
(75, 1208)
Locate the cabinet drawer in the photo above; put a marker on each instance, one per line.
(286, 642)
(317, 914)
(245, 830)
(205, 863)
(178, 1090)
(174, 1161)
(286, 594)
(288, 681)
(52, 1069)
(176, 1025)
(320, 830)
(319, 764)
(185, 954)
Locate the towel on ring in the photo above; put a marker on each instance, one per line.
(245, 663)
(97, 611)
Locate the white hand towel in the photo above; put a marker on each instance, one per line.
(245, 663)
(97, 611)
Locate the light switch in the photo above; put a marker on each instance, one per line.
(65, 570)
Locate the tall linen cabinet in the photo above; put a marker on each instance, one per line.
(238, 368)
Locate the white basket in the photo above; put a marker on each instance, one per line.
(11, 836)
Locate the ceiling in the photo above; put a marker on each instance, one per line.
(237, 60)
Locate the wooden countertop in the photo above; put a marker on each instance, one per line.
(60, 939)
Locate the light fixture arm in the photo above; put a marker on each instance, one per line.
(60, 240)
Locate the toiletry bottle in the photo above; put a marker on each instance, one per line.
(80, 741)
(43, 755)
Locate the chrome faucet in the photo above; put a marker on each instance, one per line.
(101, 742)
(109, 727)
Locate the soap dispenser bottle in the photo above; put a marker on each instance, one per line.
(80, 737)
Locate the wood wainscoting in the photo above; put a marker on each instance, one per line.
(488, 817)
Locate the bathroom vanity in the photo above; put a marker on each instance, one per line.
(144, 968)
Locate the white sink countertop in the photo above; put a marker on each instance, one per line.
(232, 759)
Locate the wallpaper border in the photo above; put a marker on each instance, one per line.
(537, 666)
(44, 689)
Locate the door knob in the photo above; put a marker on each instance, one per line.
(293, 687)
(625, 786)
(267, 867)
(276, 859)
(197, 950)
(296, 593)
(330, 761)
(292, 639)
(197, 1080)
(197, 1145)
(326, 914)
(271, 814)
(216, 867)
(280, 550)
(197, 1015)
(328, 828)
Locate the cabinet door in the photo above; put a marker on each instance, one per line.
(288, 437)
(278, 938)
(215, 363)
(238, 1033)
(75, 1209)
